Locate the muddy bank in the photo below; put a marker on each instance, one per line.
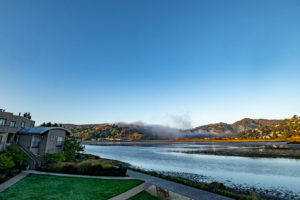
(271, 194)
(265, 151)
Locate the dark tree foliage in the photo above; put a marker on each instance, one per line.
(16, 154)
(6, 162)
(54, 157)
(27, 115)
(71, 148)
(49, 124)
(287, 128)
(11, 157)
(107, 131)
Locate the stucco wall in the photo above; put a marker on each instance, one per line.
(47, 142)
(25, 141)
(43, 144)
(3, 140)
(18, 119)
(52, 139)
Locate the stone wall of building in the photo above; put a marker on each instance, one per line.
(51, 146)
(10, 117)
(3, 139)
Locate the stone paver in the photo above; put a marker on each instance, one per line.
(184, 190)
(131, 193)
(12, 181)
(78, 176)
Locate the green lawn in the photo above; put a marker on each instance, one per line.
(144, 196)
(46, 187)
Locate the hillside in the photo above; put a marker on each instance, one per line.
(245, 129)
(249, 124)
(218, 128)
(224, 129)
(287, 128)
(104, 131)
(122, 131)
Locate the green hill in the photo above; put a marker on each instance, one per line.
(224, 129)
(104, 132)
(284, 129)
(244, 129)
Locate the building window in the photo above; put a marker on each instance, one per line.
(2, 122)
(22, 124)
(12, 124)
(35, 143)
(59, 141)
(0, 139)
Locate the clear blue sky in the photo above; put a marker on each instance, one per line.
(157, 61)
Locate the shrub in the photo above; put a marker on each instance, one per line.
(69, 169)
(6, 162)
(46, 168)
(84, 156)
(87, 167)
(54, 157)
(10, 159)
(16, 154)
(214, 186)
(71, 148)
(84, 168)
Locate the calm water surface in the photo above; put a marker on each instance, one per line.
(279, 174)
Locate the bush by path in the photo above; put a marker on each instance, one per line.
(93, 167)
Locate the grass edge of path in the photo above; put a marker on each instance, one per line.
(66, 188)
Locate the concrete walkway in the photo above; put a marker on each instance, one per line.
(78, 176)
(12, 181)
(181, 189)
(131, 193)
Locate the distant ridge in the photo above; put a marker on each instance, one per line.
(244, 128)
(237, 127)
(70, 126)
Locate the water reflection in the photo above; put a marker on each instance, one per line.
(281, 174)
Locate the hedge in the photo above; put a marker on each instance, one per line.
(88, 167)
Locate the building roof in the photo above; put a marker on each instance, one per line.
(41, 130)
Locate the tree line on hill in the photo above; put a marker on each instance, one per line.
(107, 131)
(287, 128)
(243, 129)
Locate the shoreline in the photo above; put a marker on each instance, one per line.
(225, 140)
(236, 191)
(236, 187)
(292, 141)
(285, 150)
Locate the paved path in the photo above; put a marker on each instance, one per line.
(12, 181)
(131, 193)
(79, 176)
(181, 189)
